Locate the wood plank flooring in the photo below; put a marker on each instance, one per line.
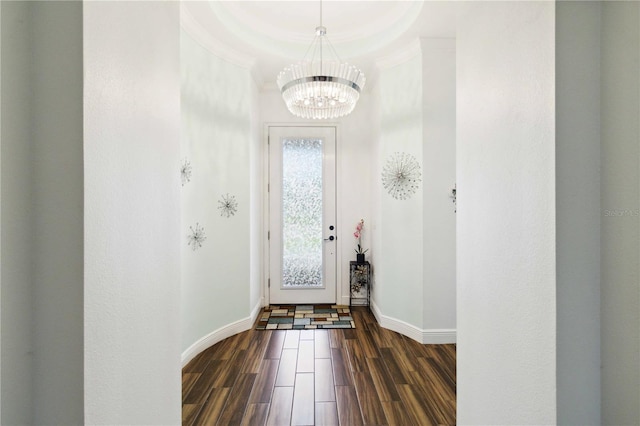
(363, 376)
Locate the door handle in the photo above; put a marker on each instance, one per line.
(331, 238)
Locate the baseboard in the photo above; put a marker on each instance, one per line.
(256, 310)
(345, 300)
(221, 334)
(439, 336)
(424, 336)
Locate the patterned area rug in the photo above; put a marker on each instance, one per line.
(304, 317)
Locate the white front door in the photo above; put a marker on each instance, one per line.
(302, 215)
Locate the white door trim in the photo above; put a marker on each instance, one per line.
(340, 296)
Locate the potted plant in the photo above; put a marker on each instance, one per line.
(358, 234)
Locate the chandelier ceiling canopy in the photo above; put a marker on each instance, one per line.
(316, 88)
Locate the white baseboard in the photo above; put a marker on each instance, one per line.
(424, 336)
(256, 310)
(345, 300)
(221, 334)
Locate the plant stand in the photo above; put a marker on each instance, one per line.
(360, 284)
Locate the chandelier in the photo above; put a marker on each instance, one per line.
(320, 89)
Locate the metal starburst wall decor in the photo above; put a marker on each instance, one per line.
(401, 175)
(228, 205)
(185, 172)
(196, 237)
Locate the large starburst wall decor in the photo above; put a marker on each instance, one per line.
(401, 175)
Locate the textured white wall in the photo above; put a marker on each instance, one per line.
(16, 268)
(376, 193)
(217, 139)
(399, 278)
(439, 176)
(506, 213)
(256, 182)
(578, 211)
(132, 212)
(354, 156)
(620, 227)
(417, 237)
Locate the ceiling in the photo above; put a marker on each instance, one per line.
(271, 34)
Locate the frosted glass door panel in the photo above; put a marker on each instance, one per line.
(302, 213)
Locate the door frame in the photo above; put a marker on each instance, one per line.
(266, 257)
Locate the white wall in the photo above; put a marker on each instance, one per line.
(354, 159)
(256, 183)
(439, 176)
(620, 198)
(17, 290)
(506, 252)
(376, 196)
(399, 277)
(218, 138)
(578, 212)
(132, 212)
(416, 276)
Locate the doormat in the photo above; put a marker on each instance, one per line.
(305, 317)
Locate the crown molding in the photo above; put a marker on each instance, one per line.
(200, 34)
(253, 26)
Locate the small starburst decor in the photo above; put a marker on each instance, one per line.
(401, 175)
(185, 172)
(196, 237)
(454, 196)
(228, 205)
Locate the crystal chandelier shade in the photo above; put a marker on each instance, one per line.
(320, 89)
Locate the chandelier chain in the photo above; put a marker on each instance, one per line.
(321, 37)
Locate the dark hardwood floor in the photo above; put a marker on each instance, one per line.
(368, 375)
